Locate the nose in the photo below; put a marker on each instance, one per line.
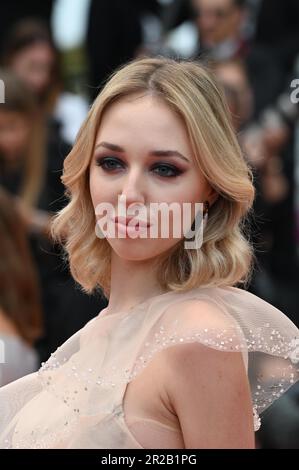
(133, 188)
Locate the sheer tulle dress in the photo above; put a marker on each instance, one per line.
(78, 397)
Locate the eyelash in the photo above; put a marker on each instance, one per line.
(102, 161)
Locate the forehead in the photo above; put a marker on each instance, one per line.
(39, 50)
(144, 116)
(212, 4)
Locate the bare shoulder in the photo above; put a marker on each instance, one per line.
(203, 313)
(208, 389)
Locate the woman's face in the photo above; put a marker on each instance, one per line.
(34, 65)
(142, 153)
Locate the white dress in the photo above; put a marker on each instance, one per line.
(76, 399)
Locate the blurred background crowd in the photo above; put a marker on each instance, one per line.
(55, 56)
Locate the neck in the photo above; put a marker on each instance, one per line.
(132, 282)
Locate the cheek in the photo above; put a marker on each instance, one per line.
(100, 190)
(94, 188)
(190, 190)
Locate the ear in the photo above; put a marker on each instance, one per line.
(212, 196)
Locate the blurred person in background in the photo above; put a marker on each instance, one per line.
(30, 53)
(23, 151)
(223, 35)
(220, 24)
(234, 79)
(277, 271)
(273, 228)
(31, 163)
(232, 75)
(21, 320)
(13, 11)
(219, 30)
(271, 142)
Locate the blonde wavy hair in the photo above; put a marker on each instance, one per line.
(189, 88)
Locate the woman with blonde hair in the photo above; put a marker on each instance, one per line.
(181, 357)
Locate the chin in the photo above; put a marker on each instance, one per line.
(139, 249)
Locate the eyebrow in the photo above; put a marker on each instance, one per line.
(154, 153)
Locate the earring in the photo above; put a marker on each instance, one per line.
(205, 214)
(198, 235)
(206, 207)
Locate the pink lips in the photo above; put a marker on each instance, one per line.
(125, 221)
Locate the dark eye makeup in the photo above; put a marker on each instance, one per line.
(113, 164)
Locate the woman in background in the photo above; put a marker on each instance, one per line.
(20, 307)
(23, 152)
(31, 162)
(31, 54)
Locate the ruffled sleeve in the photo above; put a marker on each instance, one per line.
(232, 320)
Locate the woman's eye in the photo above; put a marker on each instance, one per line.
(109, 163)
(166, 170)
